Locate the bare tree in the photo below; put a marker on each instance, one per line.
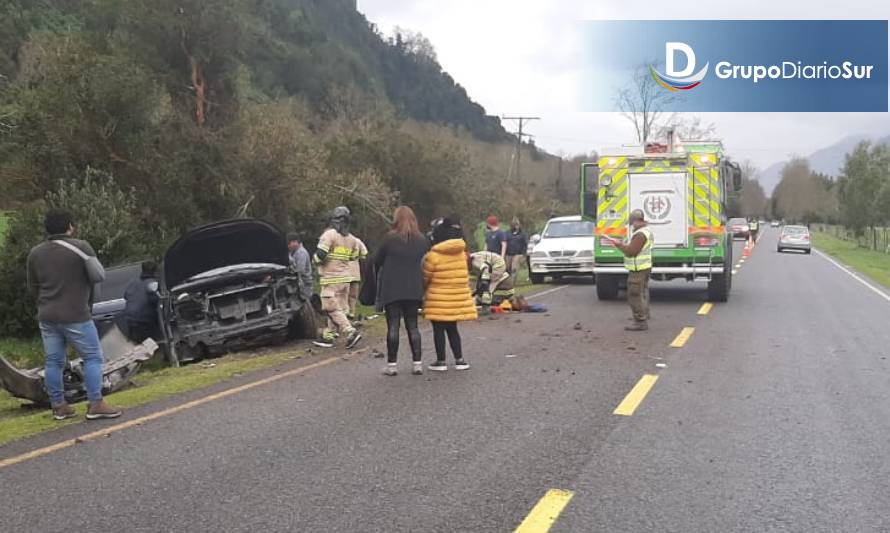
(644, 103)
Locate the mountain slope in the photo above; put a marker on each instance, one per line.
(828, 160)
(312, 49)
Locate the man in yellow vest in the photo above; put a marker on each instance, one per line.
(638, 261)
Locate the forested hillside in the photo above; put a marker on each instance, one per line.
(151, 116)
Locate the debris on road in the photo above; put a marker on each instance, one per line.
(377, 354)
(578, 326)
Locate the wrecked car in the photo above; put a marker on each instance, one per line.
(223, 285)
(228, 284)
(123, 359)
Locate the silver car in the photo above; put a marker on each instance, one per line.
(794, 238)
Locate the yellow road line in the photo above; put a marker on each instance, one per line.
(681, 339)
(705, 308)
(545, 512)
(636, 396)
(166, 412)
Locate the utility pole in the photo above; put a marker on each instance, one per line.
(519, 135)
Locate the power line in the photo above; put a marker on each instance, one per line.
(518, 151)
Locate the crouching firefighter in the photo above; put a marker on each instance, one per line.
(493, 283)
(337, 248)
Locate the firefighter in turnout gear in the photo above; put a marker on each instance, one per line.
(493, 283)
(337, 249)
(638, 261)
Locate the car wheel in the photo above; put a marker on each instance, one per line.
(536, 279)
(718, 287)
(807, 252)
(304, 324)
(607, 286)
(778, 250)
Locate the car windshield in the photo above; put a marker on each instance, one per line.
(795, 230)
(737, 222)
(575, 228)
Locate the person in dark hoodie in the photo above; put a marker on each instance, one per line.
(141, 311)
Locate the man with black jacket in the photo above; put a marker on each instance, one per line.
(141, 309)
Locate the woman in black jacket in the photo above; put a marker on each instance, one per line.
(399, 263)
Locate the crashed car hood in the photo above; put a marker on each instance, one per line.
(224, 244)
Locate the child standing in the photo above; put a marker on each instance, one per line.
(448, 299)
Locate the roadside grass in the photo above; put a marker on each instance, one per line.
(19, 418)
(4, 226)
(875, 265)
(23, 353)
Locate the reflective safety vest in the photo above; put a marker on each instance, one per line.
(643, 260)
(341, 251)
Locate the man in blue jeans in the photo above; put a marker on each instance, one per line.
(57, 277)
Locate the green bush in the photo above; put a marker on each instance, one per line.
(104, 216)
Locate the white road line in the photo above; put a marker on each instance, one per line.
(855, 276)
(545, 293)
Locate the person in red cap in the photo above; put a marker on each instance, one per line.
(495, 238)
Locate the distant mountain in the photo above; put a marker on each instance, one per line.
(828, 160)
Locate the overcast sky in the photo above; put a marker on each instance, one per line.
(521, 57)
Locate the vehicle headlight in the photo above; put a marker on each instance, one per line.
(539, 255)
(584, 253)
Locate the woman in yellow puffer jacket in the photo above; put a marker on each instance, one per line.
(448, 299)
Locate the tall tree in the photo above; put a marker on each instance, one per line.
(644, 103)
(863, 186)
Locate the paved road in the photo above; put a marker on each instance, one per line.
(774, 416)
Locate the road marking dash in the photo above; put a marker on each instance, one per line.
(166, 412)
(545, 512)
(682, 338)
(636, 396)
(705, 308)
(734, 272)
(545, 293)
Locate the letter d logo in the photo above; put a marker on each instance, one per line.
(670, 50)
(683, 80)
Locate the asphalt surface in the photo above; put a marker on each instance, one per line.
(775, 416)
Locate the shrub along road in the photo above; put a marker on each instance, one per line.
(770, 413)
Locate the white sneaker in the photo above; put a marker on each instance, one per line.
(439, 366)
(391, 369)
(461, 364)
(417, 368)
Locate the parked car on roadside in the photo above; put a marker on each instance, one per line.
(564, 248)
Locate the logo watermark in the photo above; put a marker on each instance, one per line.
(741, 65)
